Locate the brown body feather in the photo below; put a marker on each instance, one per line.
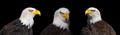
(99, 28)
(54, 30)
(15, 28)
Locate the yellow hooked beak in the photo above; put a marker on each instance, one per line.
(36, 12)
(66, 15)
(88, 12)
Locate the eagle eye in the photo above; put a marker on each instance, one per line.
(30, 10)
(93, 10)
(61, 13)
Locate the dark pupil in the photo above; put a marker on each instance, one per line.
(93, 10)
(30, 10)
(61, 13)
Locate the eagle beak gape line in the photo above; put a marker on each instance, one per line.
(66, 16)
(36, 12)
(87, 12)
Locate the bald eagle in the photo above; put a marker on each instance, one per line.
(96, 26)
(60, 23)
(22, 25)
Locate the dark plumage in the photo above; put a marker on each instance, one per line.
(54, 30)
(60, 25)
(22, 25)
(15, 28)
(99, 28)
(95, 24)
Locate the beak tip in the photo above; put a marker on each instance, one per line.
(39, 14)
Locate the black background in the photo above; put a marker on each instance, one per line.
(11, 9)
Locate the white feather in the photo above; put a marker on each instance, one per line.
(27, 17)
(59, 20)
(95, 16)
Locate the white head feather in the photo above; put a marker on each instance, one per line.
(27, 17)
(95, 16)
(59, 20)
